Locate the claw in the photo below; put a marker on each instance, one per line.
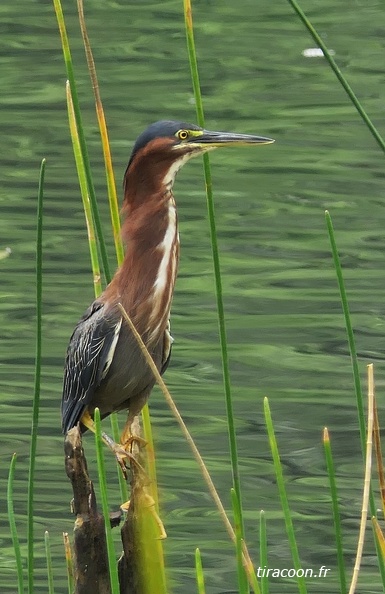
(129, 441)
(121, 455)
(125, 506)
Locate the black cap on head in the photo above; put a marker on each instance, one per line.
(163, 128)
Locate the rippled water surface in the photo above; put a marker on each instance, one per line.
(286, 332)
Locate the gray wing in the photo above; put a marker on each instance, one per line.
(89, 357)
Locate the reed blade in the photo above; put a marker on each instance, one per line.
(199, 573)
(69, 563)
(110, 177)
(355, 369)
(114, 581)
(243, 586)
(84, 193)
(283, 497)
(51, 589)
(82, 140)
(263, 551)
(37, 382)
(336, 511)
(216, 260)
(341, 78)
(13, 527)
(379, 457)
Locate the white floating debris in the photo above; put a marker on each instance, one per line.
(315, 52)
(5, 253)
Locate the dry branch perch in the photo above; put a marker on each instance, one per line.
(90, 552)
(139, 565)
(141, 531)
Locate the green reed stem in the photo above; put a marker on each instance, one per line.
(48, 556)
(250, 570)
(344, 83)
(263, 551)
(91, 243)
(36, 398)
(114, 581)
(13, 528)
(82, 140)
(115, 220)
(199, 573)
(379, 458)
(216, 261)
(84, 192)
(350, 335)
(356, 374)
(150, 456)
(111, 185)
(243, 586)
(379, 535)
(283, 495)
(69, 563)
(116, 437)
(336, 511)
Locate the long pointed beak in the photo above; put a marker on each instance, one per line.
(217, 139)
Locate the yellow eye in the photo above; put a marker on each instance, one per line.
(182, 134)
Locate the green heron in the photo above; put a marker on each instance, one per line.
(104, 365)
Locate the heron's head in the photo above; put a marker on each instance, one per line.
(161, 150)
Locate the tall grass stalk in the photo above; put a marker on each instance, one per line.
(150, 456)
(356, 374)
(368, 472)
(160, 381)
(379, 535)
(69, 562)
(51, 589)
(243, 586)
(351, 341)
(216, 260)
(336, 511)
(263, 551)
(349, 331)
(82, 140)
(283, 496)
(36, 398)
(114, 581)
(379, 457)
(13, 527)
(115, 222)
(199, 573)
(84, 193)
(250, 570)
(344, 83)
(110, 177)
(91, 243)
(116, 437)
(205, 473)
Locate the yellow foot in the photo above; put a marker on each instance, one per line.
(125, 506)
(148, 501)
(122, 455)
(127, 441)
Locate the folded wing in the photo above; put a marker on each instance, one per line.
(89, 356)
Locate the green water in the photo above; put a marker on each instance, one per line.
(285, 328)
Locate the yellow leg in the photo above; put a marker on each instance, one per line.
(127, 438)
(121, 454)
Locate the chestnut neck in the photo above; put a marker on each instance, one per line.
(150, 234)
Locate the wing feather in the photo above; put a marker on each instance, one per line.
(89, 356)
